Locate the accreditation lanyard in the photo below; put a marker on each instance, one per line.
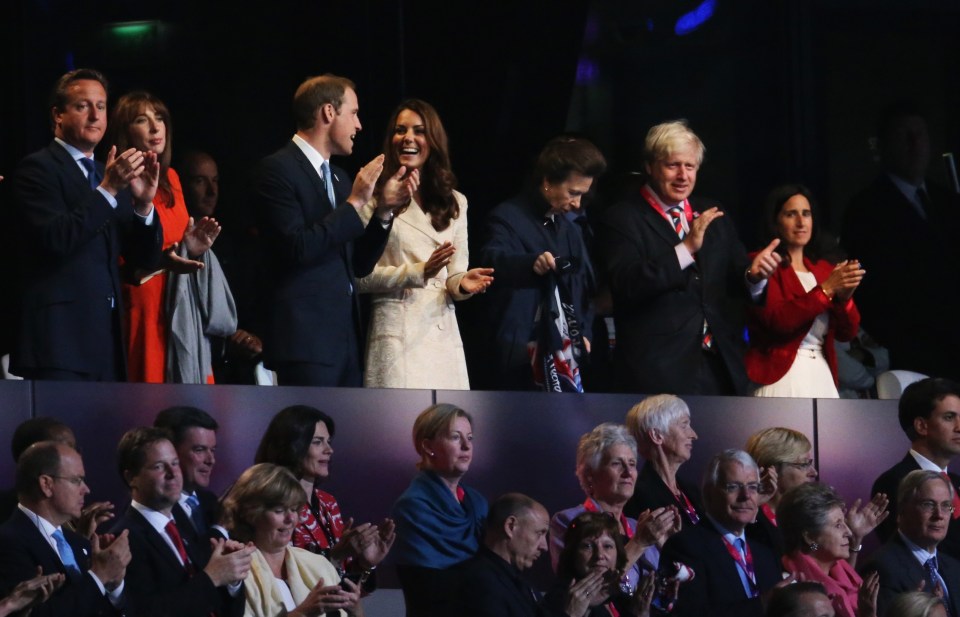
(745, 564)
(591, 506)
(651, 199)
(687, 506)
(769, 513)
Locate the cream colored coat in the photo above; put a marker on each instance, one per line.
(304, 569)
(413, 339)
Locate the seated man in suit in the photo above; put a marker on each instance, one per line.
(929, 413)
(901, 228)
(169, 575)
(910, 557)
(731, 572)
(679, 277)
(25, 435)
(75, 220)
(315, 241)
(193, 433)
(51, 487)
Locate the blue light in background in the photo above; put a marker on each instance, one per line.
(695, 18)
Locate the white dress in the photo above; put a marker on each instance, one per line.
(413, 339)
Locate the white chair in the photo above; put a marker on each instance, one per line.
(890, 384)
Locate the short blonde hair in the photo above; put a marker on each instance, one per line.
(431, 422)
(669, 137)
(776, 445)
(258, 489)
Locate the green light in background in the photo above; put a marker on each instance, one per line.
(133, 29)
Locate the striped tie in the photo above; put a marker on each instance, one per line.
(676, 216)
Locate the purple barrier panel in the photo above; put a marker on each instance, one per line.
(14, 409)
(858, 440)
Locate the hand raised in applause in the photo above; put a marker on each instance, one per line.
(397, 191)
(200, 236)
(121, 168)
(143, 186)
(110, 558)
(229, 561)
(91, 517)
(583, 594)
(325, 598)
(31, 592)
(440, 257)
(698, 229)
(476, 280)
(365, 183)
(843, 280)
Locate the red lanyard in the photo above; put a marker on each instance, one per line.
(769, 513)
(745, 564)
(651, 199)
(612, 610)
(591, 506)
(687, 505)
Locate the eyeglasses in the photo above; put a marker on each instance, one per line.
(804, 466)
(734, 488)
(74, 480)
(928, 507)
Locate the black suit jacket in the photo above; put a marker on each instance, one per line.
(659, 309)
(716, 590)
(23, 548)
(71, 241)
(494, 588)
(900, 571)
(651, 493)
(515, 237)
(889, 481)
(894, 243)
(158, 585)
(315, 252)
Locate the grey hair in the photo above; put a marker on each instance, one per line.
(594, 445)
(914, 604)
(657, 412)
(711, 477)
(914, 481)
(804, 509)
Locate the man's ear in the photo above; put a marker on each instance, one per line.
(327, 113)
(46, 485)
(920, 426)
(510, 526)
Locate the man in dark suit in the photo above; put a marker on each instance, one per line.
(679, 277)
(909, 557)
(514, 538)
(731, 572)
(169, 574)
(901, 228)
(75, 219)
(929, 413)
(527, 238)
(51, 487)
(193, 433)
(315, 240)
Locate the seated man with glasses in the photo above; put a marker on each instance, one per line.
(910, 556)
(732, 572)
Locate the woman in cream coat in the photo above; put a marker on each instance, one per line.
(414, 340)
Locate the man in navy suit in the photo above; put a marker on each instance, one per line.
(910, 556)
(75, 219)
(679, 277)
(169, 574)
(929, 413)
(51, 487)
(315, 240)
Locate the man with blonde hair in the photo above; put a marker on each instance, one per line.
(679, 276)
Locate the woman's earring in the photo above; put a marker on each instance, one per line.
(813, 546)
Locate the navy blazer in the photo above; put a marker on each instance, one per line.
(659, 309)
(651, 492)
(71, 242)
(315, 251)
(23, 548)
(158, 585)
(716, 589)
(515, 236)
(900, 572)
(889, 481)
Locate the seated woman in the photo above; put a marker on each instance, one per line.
(589, 569)
(818, 544)
(414, 340)
(439, 520)
(607, 470)
(789, 454)
(661, 425)
(262, 507)
(808, 304)
(299, 439)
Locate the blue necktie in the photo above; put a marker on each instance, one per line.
(196, 516)
(66, 553)
(93, 177)
(328, 183)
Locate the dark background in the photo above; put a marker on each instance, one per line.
(778, 90)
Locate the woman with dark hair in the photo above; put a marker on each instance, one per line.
(808, 304)
(589, 570)
(141, 120)
(261, 507)
(414, 340)
(439, 520)
(299, 439)
(531, 239)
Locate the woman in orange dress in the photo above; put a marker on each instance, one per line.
(141, 120)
